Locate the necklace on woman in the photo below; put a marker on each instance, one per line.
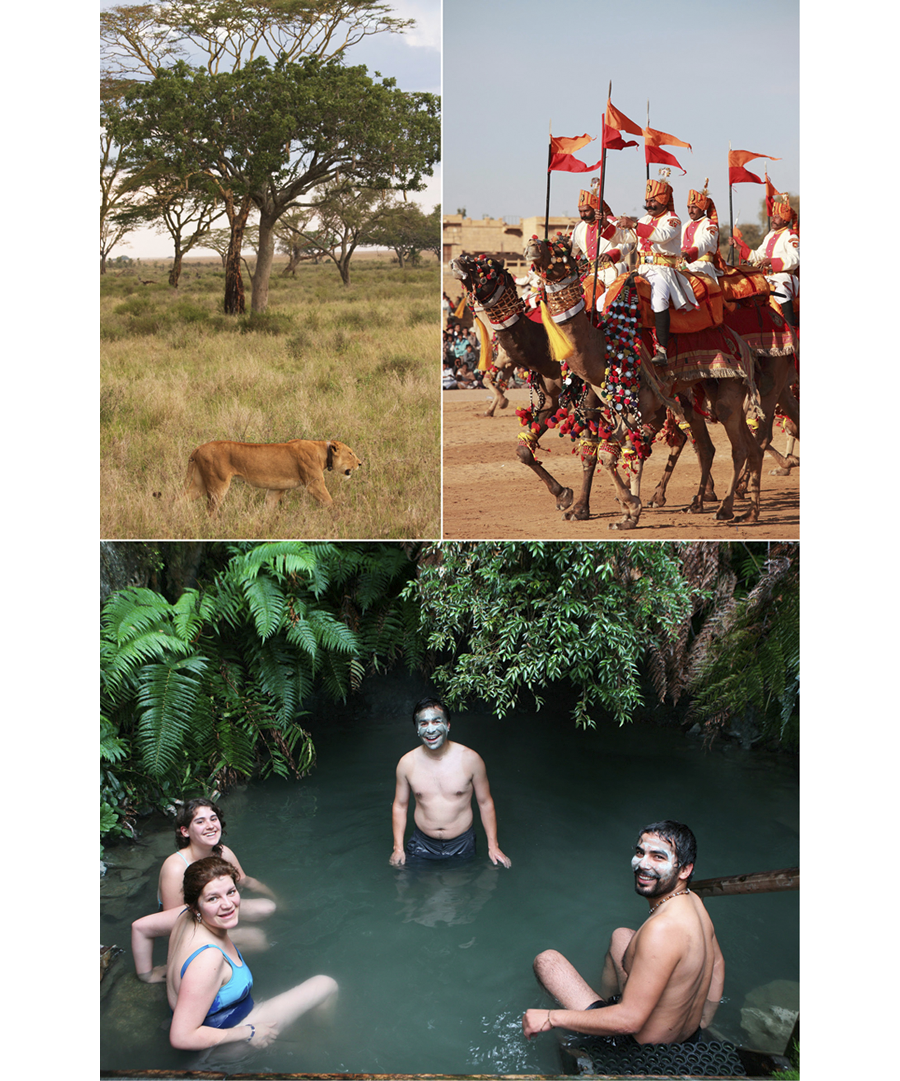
(680, 893)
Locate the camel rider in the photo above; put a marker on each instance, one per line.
(700, 236)
(659, 250)
(779, 257)
(613, 247)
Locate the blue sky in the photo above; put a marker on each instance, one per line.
(413, 59)
(712, 73)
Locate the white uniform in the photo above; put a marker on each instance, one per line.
(659, 248)
(699, 244)
(615, 242)
(782, 249)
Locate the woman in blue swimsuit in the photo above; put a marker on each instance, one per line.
(208, 982)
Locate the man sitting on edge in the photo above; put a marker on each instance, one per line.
(661, 983)
(443, 776)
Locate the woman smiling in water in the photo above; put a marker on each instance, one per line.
(208, 983)
(198, 833)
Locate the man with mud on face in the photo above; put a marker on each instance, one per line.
(659, 251)
(661, 983)
(443, 776)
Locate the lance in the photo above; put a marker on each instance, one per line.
(730, 209)
(549, 161)
(600, 193)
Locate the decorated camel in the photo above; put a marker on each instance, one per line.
(493, 297)
(711, 373)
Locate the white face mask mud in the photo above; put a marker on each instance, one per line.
(432, 729)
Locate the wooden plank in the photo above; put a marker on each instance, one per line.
(758, 882)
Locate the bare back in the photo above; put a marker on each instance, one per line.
(683, 931)
(443, 787)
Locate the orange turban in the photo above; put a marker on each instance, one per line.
(592, 198)
(703, 201)
(659, 189)
(783, 208)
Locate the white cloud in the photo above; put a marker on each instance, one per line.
(427, 13)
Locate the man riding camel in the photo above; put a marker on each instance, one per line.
(700, 236)
(614, 244)
(659, 249)
(779, 256)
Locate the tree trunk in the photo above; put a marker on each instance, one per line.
(343, 265)
(175, 272)
(234, 283)
(265, 257)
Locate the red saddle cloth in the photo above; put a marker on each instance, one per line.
(742, 283)
(708, 313)
(714, 353)
(761, 327)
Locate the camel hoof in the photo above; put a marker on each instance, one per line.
(565, 499)
(504, 402)
(724, 515)
(780, 472)
(657, 501)
(624, 523)
(577, 514)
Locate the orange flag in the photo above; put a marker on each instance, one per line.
(620, 121)
(741, 157)
(652, 137)
(563, 145)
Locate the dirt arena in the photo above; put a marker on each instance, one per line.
(489, 494)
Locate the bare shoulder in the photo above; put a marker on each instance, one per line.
(407, 761)
(469, 758)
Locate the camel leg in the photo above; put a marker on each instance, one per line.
(627, 497)
(728, 406)
(580, 511)
(562, 495)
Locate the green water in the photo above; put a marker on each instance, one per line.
(435, 967)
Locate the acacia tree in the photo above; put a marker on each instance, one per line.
(340, 220)
(115, 191)
(140, 39)
(407, 232)
(265, 136)
(186, 213)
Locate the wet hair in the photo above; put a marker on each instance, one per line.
(201, 872)
(186, 815)
(429, 703)
(680, 837)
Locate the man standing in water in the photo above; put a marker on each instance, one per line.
(661, 983)
(443, 776)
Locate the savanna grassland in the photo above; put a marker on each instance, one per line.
(325, 361)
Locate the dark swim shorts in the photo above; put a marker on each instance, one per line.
(422, 847)
(629, 1040)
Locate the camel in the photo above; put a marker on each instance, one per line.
(494, 297)
(726, 401)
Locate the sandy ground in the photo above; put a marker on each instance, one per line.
(489, 494)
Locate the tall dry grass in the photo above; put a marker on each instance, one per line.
(357, 364)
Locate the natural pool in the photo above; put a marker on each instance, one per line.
(435, 967)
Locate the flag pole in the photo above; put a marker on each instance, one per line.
(549, 160)
(730, 208)
(600, 193)
(645, 142)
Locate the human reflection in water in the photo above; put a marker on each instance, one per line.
(451, 892)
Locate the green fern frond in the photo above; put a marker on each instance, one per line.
(267, 604)
(331, 634)
(166, 700)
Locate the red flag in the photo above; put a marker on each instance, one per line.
(770, 195)
(561, 144)
(620, 121)
(653, 153)
(742, 247)
(652, 137)
(565, 163)
(737, 174)
(612, 139)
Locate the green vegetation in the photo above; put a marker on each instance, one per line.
(199, 691)
(324, 362)
(210, 684)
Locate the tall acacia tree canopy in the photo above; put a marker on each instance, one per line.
(140, 39)
(268, 134)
